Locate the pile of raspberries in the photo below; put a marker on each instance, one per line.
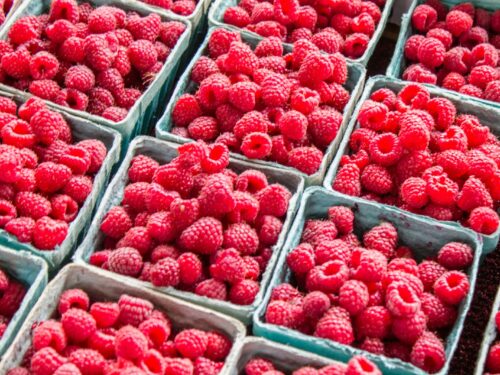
(370, 292)
(195, 225)
(45, 177)
(128, 337)
(455, 49)
(357, 365)
(417, 153)
(344, 26)
(12, 293)
(263, 104)
(493, 359)
(95, 60)
(181, 7)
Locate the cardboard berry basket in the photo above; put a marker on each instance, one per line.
(423, 236)
(164, 152)
(216, 18)
(487, 115)
(286, 358)
(102, 286)
(490, 334)
(356, 80)
(32, 272)
(139, 117)
(398, 62)
(81, 129)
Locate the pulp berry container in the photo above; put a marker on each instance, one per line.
(488, 115)
(165, 152)
(356, 80)
(32, 272)
(216, 18)
(285, 358)
(424, 236)
(102, 286)
(398, 62)
(490, 334)
(139, 117)
(81, 129)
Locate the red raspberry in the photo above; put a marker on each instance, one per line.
(315, 305)
(203, 128)
(348, 180)
(125, 261)
(301, 259)
(105, 313)
(21, 227)
(492, 361)
(412, 46)
(191, 343)
(372, 115)
(383, 238)
(335, 325)
(428, 353)
(281, 313)
(373, 322)
(454, 81)
(458, 22)
(474, 194)
(441, 190)
(424, 18)
(356, 45)
(139, 238)
(367, 265)
(211, 288)
(203, 68)
(78, 325)
(409, 329)
(236, 16)
(402, 300)
(43, 65)
(49, 333)
(317, 231)
(165, 273)
(359, 365)
(134, 310)
(353, 296)
(451, 287)
(323, 126)
(429, 271)
(204, 236)
(24, 30)
(492, 91)
(32, 205)
(130, 343)
(385, 149)
(88, 361)
(48, 233)
(376, 179)
(273, 200)
(142, 55)
(439, 315)
(484, 54)
(275, 90)
(46, 361)
(484, 220)
(244, 292)
(242, 237)
(73, 298)
(258, 366)
(375, 346)
(431, 52)
(116, 223)
(240, 59)
(481, 76)
(306, 159)
(413, 192)
(343, 218)
(455, 255)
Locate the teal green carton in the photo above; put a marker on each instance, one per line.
(164, 152)
(398, 61)
(81, 129)
(216, 18)
(354, 85)
(140, 117)
(488, 115)
(490, 334)
(424, 236)
(32, 272)
(101, 286)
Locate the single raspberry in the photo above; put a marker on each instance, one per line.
(212, 288)
(301, 259)
(125, 261)
(451, 287)
(32, 205)
(105, 313)
(165, 273)
(492, 361)
(348, 180)
(367, 265)
(474, 194)
(376, 179)
(424, 18)
(130, 343)
(335, 325)
(275, 90)
(316, 304)
(68, 369)
(428, 353)
(244, 292)
(455, 255)
(492, 91)
(134, 310)
(306, 159)
(21, 227)
(409, 329)
(454, 81)
(258, 366)
(360, 365)
(431, 52)
(413, 192)
(73, 298)
(484, 220)
(386, 149)
(88, 361)
(191, 343)
(78, 324)
(402, 300)
(458, 22)
(353, 296)
(48, 233)
(439, 315)
(356, 45)
(46, 361)
(203, 236)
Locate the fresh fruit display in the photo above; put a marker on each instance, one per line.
(370, 291)
(45, 177)
(418, 153)
(455, 48)
(493, 359)
(99, 60)
(356, 366)
(128, 337)
(195, 225)
(11, 295)
(344, 26)
(181, 7)
(263, 104)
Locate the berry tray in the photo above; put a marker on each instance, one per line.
(354, 85)
(139, 117)
(315, 203)
(103, 286)
(488, 116)
(286, 358)
(82, 129)
(216, 16)
(490, 334)
(398, 62)
(165, 151)
(29, 270)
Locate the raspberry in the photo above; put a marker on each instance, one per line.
(211, 288)
(48, 233)
(373, 322)
(492, 362)
(244, 292)
(385, 149)
(191, 343)
(242, 237)
(185, 110)
(413, 192)
(484, 220)
(442, 190)
(367, 265)
(431, 52)
(458, 22)
(409, 329)
(43, 65)
(323, 126)
(204, 236)
(134, 310)
(46, 361)
(412, 46)
(382, 238)
(105, 313)
(236, 16)
(473, 194)
(451, 287)
(88, 361)
(454, 81)
(79, 77)
(372, 114)
(17, 64)
(78, 325)
(73, 298)
(359, 365)
(306, 159)
(21, 227)
(32, 205)
(353, 296)
(335, 325)
(258, 366)
(492, 91)
(484, 54)
(439, 315)
(218, 346)
(275, 90)
(179, 366)
(356, 45)
(301, 259)
(343, 218)
(428, 353)
(165, 273)
(376, 179)
(134, 195)
(402, 300)
(481, 76)
(130, 343)
(125, 261)
(348, 180)
(375, 346)
(419, 73)
(424, 18)
(142, 55)
(11, 164)
(280, 313)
